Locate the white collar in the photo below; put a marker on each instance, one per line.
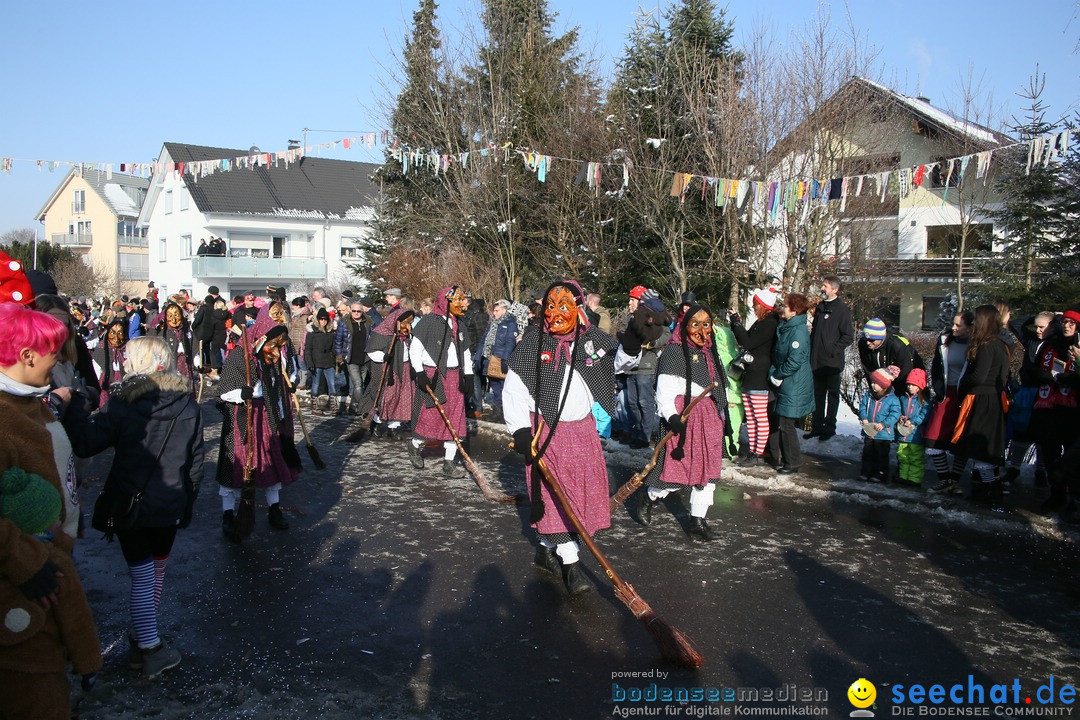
(14, 387)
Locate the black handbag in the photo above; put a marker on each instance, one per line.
(117, 511)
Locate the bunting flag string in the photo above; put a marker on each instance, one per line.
(773, 196)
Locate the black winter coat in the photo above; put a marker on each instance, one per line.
(893, 351)
(134, 423)
(202, 326)
(319, 350)
(759, 341)
(832, 333)
(219, 333)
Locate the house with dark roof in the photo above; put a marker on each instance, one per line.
(914, 242)
(93, 213)
(282, 221)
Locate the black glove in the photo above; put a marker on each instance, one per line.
(523, 443)
(42, 583)
(676, 425)
(247, 392)
(467, 385)
(734, 319)
(422, 382)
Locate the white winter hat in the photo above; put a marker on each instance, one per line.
(766, 298)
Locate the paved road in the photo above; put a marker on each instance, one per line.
(398, 594)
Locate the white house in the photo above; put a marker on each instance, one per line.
(281, 222)
(905, 240)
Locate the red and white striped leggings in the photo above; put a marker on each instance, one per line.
(756, 407)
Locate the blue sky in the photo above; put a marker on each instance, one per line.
(109, 82)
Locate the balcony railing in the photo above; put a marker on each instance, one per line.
(910, 269)
(133, 273)
(259, 268)
(132, 241)
(77, 240)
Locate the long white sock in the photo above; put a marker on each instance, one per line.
(567, 552)
(229, 496)
(273, 494)
(701, 499)
(449, 450)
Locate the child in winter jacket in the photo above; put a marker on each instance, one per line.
(36, 643)
(879, 411)
(910, 452)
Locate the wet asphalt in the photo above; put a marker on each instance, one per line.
(399, 594)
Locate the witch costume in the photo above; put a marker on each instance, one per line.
(276, 462)
(179, 339)
(694, 454)
(562, 375)
(388, 348)
(110, 358)
(440, 358)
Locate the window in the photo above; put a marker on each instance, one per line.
(162, 250)
(944, 240)
(940, 174)
(168, 201)
(349, 247)
(185, 246)
(184, 200)
(78, 201)
(134, 266)
(931, 311)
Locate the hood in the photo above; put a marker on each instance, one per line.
(164, 394)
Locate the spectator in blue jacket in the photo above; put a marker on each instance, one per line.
(879, 412)
(499, 342)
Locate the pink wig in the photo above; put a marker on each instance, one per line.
(25, 328)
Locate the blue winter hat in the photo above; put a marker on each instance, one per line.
(874, 329)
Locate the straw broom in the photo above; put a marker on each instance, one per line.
(674, 646)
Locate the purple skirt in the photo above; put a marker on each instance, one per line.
(270, 464)
(576, 459)
(704, 447)
(397, 400)
(429, 422)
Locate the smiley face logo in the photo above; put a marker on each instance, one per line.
(862, 693)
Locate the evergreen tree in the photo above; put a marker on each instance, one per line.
(1030, 215)
(675, 103)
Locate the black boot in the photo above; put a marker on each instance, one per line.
(546, 559)
(574, 579)
(415, 457)
(277, 518)
(699, 527)
(452, 470)
(645, 507)
(228, 524)
(996, 496)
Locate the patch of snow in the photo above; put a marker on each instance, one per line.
(121, 202)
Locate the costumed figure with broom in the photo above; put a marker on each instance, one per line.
(173, 326)
(692, 456)
(110, 354)
(388, 349)
(558, 369)
(257, 431)
(441, 360)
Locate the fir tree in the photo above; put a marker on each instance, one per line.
(1030, 215)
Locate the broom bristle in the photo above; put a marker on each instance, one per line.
(315, 458)
(673, 644)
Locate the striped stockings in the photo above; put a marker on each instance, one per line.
(756, 405)
(159, 578)
(142, 604)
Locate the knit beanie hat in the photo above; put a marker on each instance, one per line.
(917, 377)
(637, 291)
(649, 294)
(874, 329)
(28, 500)
(765, 298)
(688, 298)
(882, 378)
